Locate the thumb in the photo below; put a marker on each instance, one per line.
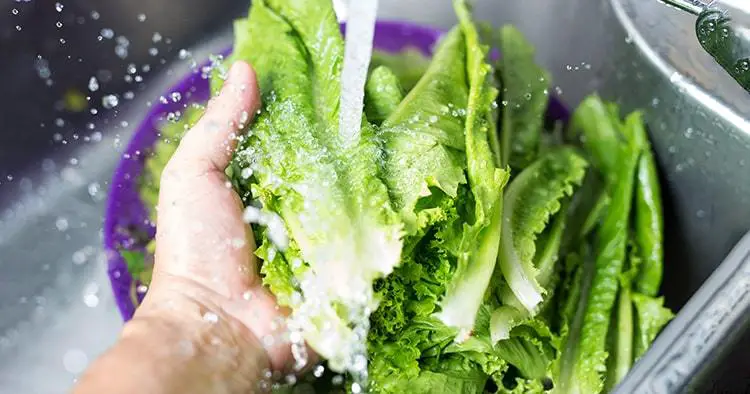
(208, 146)
(200, 233)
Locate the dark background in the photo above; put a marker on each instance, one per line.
(41, 63)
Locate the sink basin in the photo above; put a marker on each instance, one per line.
(57, 312)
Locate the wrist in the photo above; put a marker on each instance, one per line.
(250, 317)
(191, 355)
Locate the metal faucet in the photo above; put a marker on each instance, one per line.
(719, 35)
(694, 7)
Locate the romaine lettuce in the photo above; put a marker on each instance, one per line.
(410, 237)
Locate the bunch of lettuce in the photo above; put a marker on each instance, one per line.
(463, 243)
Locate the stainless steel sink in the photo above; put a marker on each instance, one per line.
(56, 309)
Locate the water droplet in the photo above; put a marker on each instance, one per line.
(153, 51)
(128, 95)
(90, 295)
(700, 213)
(210, 317)
(59, 24)
(18, 27)
(75, 361)
(107, 33)
(156, 37)
(110, 101)
(138, 78)
(689, 132)
(59, 7)
(121, 52)
(59, 122)
(14, 11)
(79, 258)
(94, 15)
(62, 224)
(94, 189)
(183, 54)
(141, 17)
(93, 84)
(318, 371)
(131, 68)
(246, 173)
(176, 97)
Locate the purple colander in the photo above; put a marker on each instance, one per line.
(126, 223)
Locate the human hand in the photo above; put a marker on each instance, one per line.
(207, 321)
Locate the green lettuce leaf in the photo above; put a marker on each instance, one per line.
(615, 151)
(620, 346)
(409, 65)
(524, 98)
(480, 239)
(137, 265)
(651, 317)
(382, 94)
(523, 386)
(327, 191)
(649, 221)
(573, 295)
(530, 349)
(423, 142)
(531, 199)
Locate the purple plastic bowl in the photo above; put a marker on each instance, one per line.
(126, 214)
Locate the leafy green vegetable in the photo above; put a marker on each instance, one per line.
(524, 98)
(615, 149)
(326, 190)
(579, 272)
(531, 199)
(400, 232)
(621, 332)
(651, 317)
(649, 222)
(136, 264)
(469, 381)
(382, 94)
(424, 145)
(409, 65)
(480, 240)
